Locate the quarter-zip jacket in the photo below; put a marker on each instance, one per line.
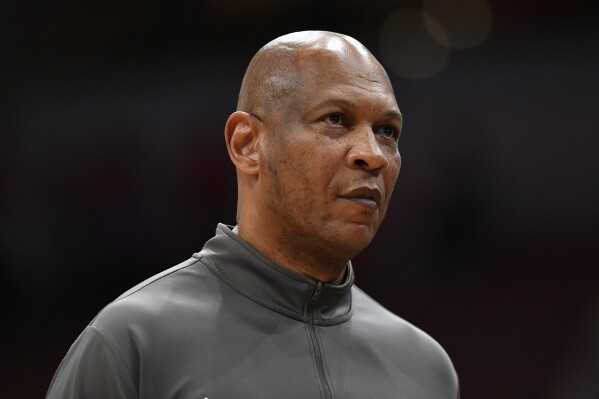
(229, 323)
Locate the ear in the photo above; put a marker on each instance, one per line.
(241, 134)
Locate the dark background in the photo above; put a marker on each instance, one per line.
(113, 167)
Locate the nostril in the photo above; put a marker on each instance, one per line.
(360, 162)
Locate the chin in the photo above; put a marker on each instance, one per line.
(355, 237)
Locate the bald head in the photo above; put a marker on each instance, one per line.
(283, 65)
(314, 141)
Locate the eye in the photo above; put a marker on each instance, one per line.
(388, 131)
(334, 119)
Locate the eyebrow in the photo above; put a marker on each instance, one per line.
(392, 114)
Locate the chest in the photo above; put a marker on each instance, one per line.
(291, 360)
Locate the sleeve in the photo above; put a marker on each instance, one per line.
(92, 369)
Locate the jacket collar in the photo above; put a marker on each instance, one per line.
(252, 275)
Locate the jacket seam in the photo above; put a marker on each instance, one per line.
(106, 342)
(156, 280)
(142, 287)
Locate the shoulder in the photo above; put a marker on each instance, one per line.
(378, 318)
(159, 303)
(140, 330)
(93, 369)
(405, 342)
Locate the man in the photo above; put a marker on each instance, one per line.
(268, 308)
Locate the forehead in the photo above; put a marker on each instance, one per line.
(342, 73)
(338, 58)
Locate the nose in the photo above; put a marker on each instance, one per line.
(365, 152)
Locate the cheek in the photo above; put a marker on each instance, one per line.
(306, 164)
(294, 176)
(393, 172)
(398, 164)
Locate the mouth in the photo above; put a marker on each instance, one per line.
(368, 197)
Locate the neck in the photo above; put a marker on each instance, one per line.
(298, 260)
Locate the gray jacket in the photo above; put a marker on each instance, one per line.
(228, 323)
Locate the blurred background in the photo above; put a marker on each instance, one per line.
(113, 167)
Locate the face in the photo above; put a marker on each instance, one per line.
(330, 157)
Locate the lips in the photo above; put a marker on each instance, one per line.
(367, 196)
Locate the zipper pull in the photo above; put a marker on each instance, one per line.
(316, 293)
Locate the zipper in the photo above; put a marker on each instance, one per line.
(316, 347)
(316, 294)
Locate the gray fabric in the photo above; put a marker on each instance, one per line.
(228, 323)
